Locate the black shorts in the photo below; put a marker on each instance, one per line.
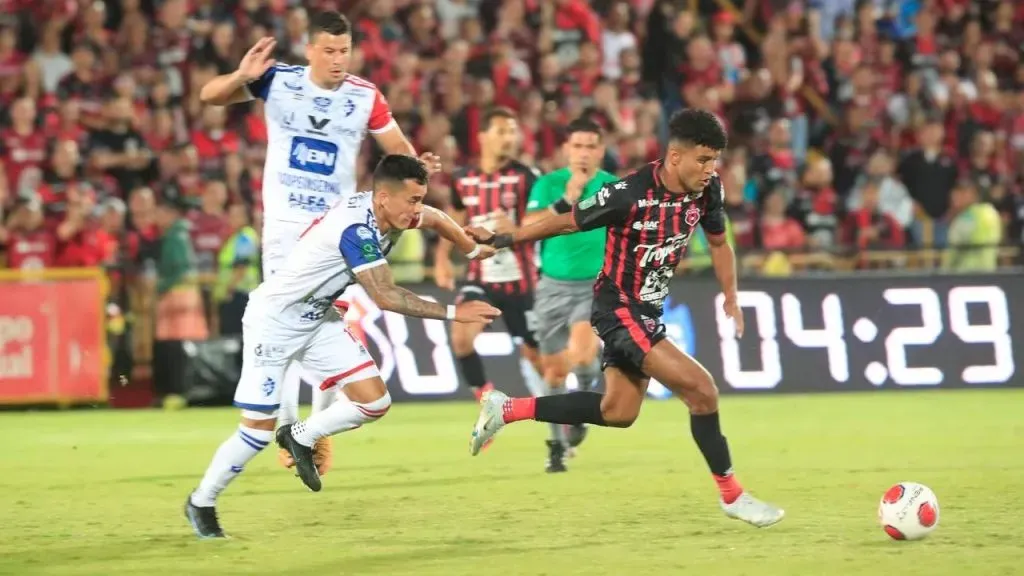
(628, 332)
(516, 309)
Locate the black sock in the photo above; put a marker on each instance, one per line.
(575, 408)
(708, 435)
(473, 370)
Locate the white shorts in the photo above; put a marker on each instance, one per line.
(330, 356)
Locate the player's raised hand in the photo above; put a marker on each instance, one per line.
(480, 234)
(475, 311)
(432, 161)
(732, 310)
(258, 59)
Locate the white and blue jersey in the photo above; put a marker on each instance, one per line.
(313, 141)
(337, 246)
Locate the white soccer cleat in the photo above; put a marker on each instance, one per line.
(491, 420)
(753, 511)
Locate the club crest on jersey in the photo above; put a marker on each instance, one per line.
(321, 104)
(268, 386)
(311, 155)
(349, 107)
(692, 216)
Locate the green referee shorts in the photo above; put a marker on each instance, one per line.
(558, 304)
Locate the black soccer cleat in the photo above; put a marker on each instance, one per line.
(203, 520)
(303, 456)
(577, 432)
(556, 457)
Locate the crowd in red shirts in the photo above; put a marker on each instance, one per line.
(851, 120)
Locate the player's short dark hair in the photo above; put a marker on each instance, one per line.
(331, 22)
(697, 128)
(584, 124)
(495, 112)
(397, 168)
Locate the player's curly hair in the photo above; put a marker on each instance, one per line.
(697, 128)
(397, 168)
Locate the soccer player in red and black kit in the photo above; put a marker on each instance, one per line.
(651, 216)
(492, 194)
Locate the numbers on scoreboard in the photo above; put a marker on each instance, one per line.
(770, 373)
(829, 337)
(924, 335)
(996, 332)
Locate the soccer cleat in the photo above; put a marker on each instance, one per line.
(556, 457)
(323, 455)
(479, 392)
(203, 520)
(753, 511)
(303, 457)
(491, 420)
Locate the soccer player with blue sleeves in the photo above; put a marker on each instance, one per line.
(291, 316)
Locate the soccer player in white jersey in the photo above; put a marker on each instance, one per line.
(291, 315)
(317, 117)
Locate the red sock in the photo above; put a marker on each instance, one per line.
(729, 487)
(516, 409)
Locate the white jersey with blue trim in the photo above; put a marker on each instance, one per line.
(341, 243)
(313, 141)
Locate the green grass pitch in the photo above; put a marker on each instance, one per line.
(100, 492)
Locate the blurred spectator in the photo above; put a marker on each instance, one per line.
(78, 242)
(869, 227)
(778, 231)
(974, 234)
(238, 270)
(53, 63)
(929, 174)
(816, 206)
(893, 198)
(30, 246)
(23, 149)
(209, 226)
(119, 150)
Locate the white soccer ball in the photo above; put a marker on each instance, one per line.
(908, 511)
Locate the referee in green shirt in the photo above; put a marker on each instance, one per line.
(569, 266)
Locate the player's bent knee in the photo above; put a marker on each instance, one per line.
(375, 410)
(702, 398)
(618, 414)
(462, 341)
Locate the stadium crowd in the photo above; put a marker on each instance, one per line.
(854, 124)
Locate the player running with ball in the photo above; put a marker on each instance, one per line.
(291, 316)
(317, 117)
(569, 265)
(650, 216)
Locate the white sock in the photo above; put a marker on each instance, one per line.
(288, 413)
(228, 462)
(534, 383)
(339, 417)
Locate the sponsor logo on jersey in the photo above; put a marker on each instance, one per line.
(657, 254)
(321, 104)
(646, 203)
(308, 202)
(364, 233)
(646, 225)
(311, 155)
(308, 183)
(293, 86)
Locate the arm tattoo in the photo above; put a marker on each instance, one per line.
(380, 285)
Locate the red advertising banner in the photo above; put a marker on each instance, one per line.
(52, 337)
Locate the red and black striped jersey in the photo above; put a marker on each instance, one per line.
(479, 194)
(649, 228)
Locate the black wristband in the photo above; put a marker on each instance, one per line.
(500, 241)
(561, 206)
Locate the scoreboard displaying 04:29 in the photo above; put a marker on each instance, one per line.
(856, 332)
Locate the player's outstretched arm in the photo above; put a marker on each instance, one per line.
(539, 230)
(380, 286)
(234, 87)
(449, 230)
